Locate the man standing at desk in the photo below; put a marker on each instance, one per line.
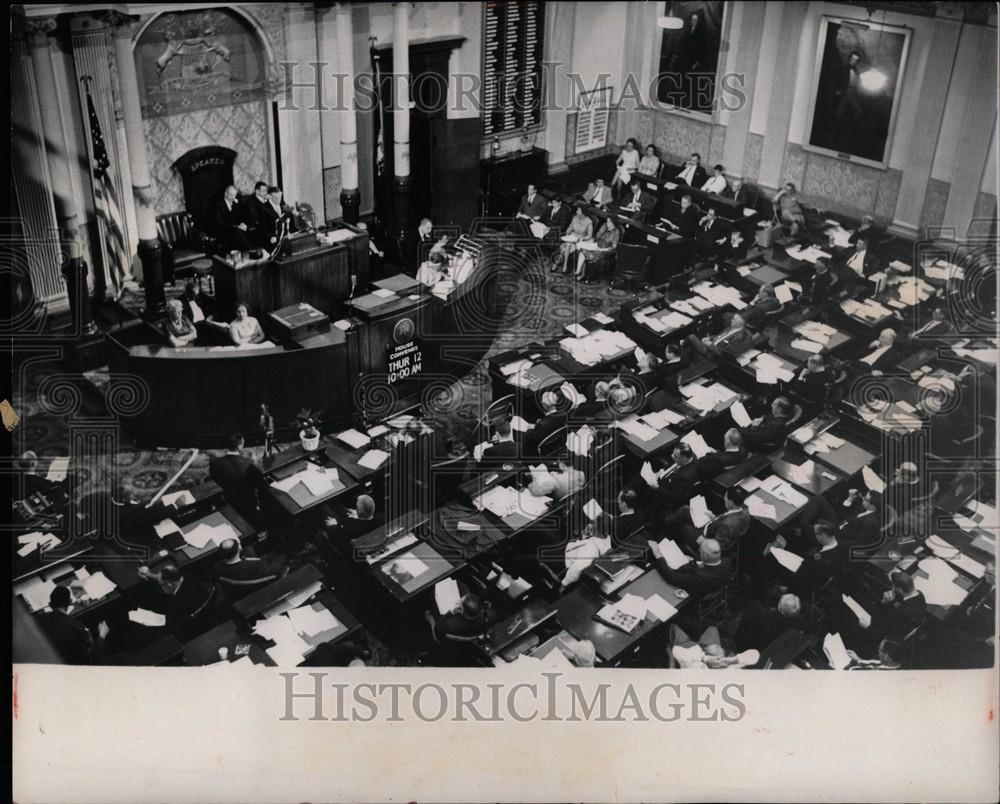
(239, 478)
(256, 215)
(229, 222)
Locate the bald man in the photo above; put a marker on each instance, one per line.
(229, 221)
(698, 578)
(552, 419)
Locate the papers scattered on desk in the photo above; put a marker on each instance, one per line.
(866, 311)
(750, 484)
(745, 358)
(602, 318)
(405, 568)
(579, 443)
(309, 621)
(382, 293)
(447, 595)
(936, 580)
(592, 509)
(373, 459)
(500, 501)
(34, 540)
(166, 527)
(864, 618)
(700, 514)
(148, 618)
(97, 586)
(739, 414)
(377, 431)
(201, 535)
(714, 295)
(672, 554)
(662, 419)
(757, 507)
(872, 480)
(634, 427)
(178, 499)
(770, 369)
(35, 592)
(57, 470)
(529, 505)
(660, 608)
(807, 346)
(624, 615)
(697, 444)
(806, 254)
(597, 346)
(354, 439)
(577, 331)
(836, 653)
(744, 270)
(515, 367)
(787, 559)
(704, 397)
(784, 491)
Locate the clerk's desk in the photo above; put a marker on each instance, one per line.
(198, 395)
(318, 274)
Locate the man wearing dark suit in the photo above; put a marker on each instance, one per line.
(239, 478)
(902, 608)
(711, 234)
(761, 306)
(625, 524)
(937, 327)
(768, 432)
(182, 600)
(761, 625)
(698, 578)
(732, 341)
(552, 419)
(504, 446)
(337, 535)
(867, 231)
(821, 286)
(824, 562)
(598, 194)
(69, 637)
(256, 215)
(735, 248)
(738, 192)
(273, 216)
(692, 174)
(471, 618)
(557, 217)
(532, 205)
(236, 570)
(638, 202)
(729, 527)
(675, 483)
(861, 263)
(714, 464)
(863, 525)
(228, 221)
(685, 220)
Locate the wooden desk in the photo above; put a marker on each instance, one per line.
(818, 480)
(848, 459)
(204, 650)
(398, 574)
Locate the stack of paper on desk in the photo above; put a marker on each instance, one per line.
(309, 621)
(373, 459)
(499, 500)
(515, 367)
(697, 444)
(529, 505)
(636, 428)
(178, 499)
(662, 418)
(447, 595)
(98, 585)
(683, 307)
(757, 507)
(148, 618)
(807, 345)
(700, 514)
(939, 588)
(661, 609)
(354, 439)
(673, 554)
(166, 527)
(35, 592)
(787, 559)
(34, 540)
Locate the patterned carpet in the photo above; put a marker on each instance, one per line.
(55, 404)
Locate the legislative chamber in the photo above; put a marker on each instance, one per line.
(549, 334)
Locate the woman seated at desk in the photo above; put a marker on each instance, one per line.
(599, 253)
(245, 328)
(178, 327)
(580, 229)
(437, 269)
(649, 165)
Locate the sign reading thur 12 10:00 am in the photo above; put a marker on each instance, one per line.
(405, 361)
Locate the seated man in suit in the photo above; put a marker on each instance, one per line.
(867, 231)
(638, 201)
(503, 444)
(885, 353)
(711, 234)
(739, 192)
(734, 249)
(760, 625)
(565, 480)
(199, 308)
(181, 599)
(70, 638)
(861, 263)
(698, 578)
(716, 183)
(821, 286)
(811, 382)
(733, 452)
(557, 217)
(673, 484)
(685, 221)
(938, 326)
(597, 193)
(862, 527)
(728, 528)
(692, 174)
(551, 420)
(337, 533)
(599, 406)
(239, 478)
(824, 561)
(768, 432)
(902, 609)
(529, 210)
(236, 570)
(734, 340)
(228, 221)
(761, 306)
(32, 482)
(471, 617)
(787, 209)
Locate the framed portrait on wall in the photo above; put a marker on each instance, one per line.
(689, 54)
(859, 76)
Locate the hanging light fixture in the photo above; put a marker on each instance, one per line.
(670, 21)
(873, 79)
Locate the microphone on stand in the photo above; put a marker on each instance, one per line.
(354, 285)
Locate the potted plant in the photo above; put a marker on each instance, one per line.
(308, 422)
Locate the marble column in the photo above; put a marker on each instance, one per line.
(149, 249)
(402, 183)
(350, 194)
(68, 220)
(745, 37)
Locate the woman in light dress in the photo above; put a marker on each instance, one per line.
(627, 164)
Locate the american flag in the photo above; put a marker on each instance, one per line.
(117, 260)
